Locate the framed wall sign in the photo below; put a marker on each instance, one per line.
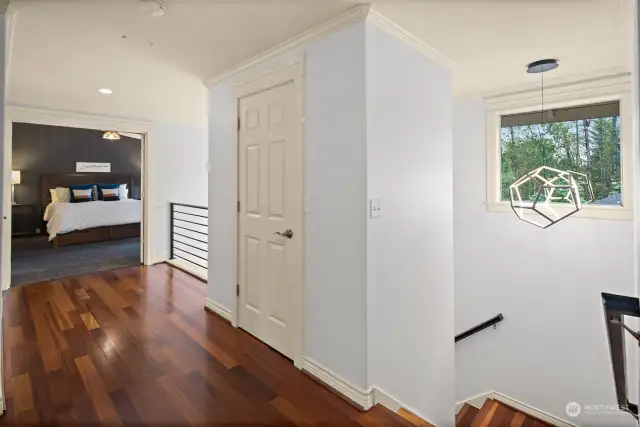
(93, 167)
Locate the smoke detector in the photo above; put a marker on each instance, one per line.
(154, 7)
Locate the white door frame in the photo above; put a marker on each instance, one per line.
(15, 114)
(265, 79)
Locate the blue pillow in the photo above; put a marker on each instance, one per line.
(107, 187)
(72, 196)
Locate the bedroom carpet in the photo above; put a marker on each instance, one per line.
(34, 260)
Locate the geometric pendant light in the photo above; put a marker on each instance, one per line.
(546, 196)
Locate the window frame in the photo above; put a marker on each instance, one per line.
(615, 88)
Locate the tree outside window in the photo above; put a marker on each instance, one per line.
(583, 139)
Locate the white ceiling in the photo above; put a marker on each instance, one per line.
(492, 42)
(65, 50)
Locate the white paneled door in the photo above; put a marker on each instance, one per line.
(270, 214)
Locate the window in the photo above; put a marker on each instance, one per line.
(583, 139)
(587, 128)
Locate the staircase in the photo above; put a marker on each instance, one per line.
(495, 414)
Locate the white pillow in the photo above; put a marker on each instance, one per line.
(63, 194)
(124, 193)
(54, 195)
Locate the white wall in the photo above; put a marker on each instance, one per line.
(551, 349)
(5, 207)
(634, 17)
(335, 181)
(410, 248)
(177, 174)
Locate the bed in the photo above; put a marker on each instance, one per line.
(76, 223)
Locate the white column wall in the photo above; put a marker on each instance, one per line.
(410, 247)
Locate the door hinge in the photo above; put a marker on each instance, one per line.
(238, 289)
(238, 122)
(238, 206)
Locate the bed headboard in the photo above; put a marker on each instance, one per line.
(50, 181)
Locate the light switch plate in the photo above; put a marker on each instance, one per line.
(374, 208)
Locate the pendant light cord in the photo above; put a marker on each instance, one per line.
(542, 106)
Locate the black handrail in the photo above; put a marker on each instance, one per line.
(484, 325)
(616, 307)
(185, 240)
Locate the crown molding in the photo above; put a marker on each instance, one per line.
(362, 12)
(572, 84)
(350, 17)
(411, 39)
(604, 77)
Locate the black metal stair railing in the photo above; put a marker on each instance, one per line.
(616, 307)
(189, 225)
(481, 326)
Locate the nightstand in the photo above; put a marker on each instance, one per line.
(25, 219)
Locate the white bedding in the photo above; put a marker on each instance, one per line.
(64, 217)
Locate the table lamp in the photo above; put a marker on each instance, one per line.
(15, 179)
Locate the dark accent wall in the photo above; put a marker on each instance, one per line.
(40, 149)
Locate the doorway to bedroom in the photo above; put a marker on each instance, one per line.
(76, 201)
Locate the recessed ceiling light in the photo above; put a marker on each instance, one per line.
(105, 91)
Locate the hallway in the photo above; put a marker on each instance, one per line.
(135, 346)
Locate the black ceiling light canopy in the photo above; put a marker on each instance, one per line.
(542, 65)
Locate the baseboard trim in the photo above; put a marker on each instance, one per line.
(359, 397)
(478, 401)
(381, 397)
(219, 310)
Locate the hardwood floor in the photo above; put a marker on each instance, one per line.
(135, 346)
(495, 414)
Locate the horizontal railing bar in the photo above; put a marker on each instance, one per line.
(193, 231)
(188, 260)
(190, 222)
(191, 214)
(191, 246)
(188, 205)
(484, 325)
(187, 252)
(189, 237)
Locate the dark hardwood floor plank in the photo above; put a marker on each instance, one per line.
(101, 401)
(22, 393)
(89, 321)
(126, 409)
(518, 420)
(135, 346)
(61, 296)
(486, 413)
(37, 297)
(211, 348)
(180, 401)
(502, 416)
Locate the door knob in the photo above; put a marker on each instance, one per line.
(287, 233)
